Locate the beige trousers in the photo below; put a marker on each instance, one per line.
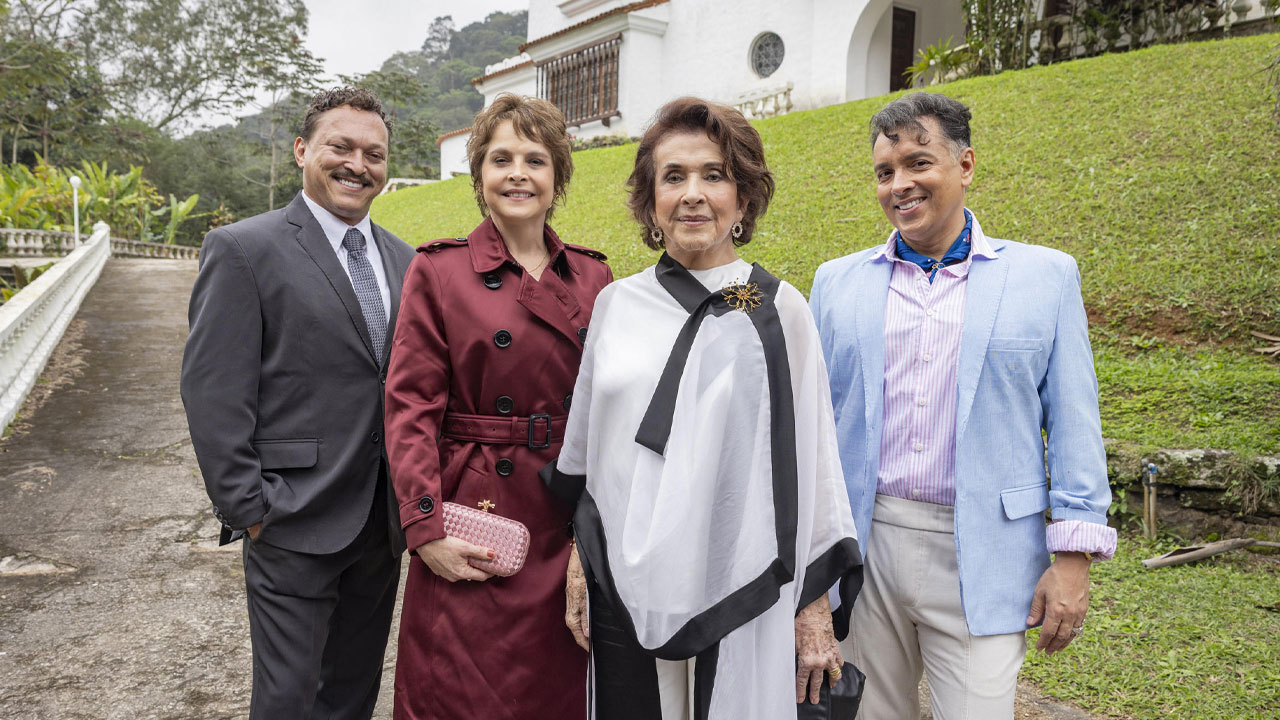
(909, 619)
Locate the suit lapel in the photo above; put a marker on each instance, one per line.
(870, 304)
(395, 281)
(983, 291)
(312, 239)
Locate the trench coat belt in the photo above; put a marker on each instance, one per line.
(536, 431)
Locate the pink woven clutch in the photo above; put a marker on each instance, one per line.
(509, 539)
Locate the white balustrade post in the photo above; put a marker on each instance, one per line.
(75, 207)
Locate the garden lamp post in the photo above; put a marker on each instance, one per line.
(75, 205)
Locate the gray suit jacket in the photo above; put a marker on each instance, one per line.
(281, 386)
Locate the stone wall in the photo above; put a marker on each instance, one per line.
(1203, 492)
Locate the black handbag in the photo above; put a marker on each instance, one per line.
(838, 703)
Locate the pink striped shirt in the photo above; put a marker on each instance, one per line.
(923, 325)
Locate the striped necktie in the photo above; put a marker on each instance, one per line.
(366, 287)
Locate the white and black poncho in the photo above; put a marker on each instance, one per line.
(701, 453)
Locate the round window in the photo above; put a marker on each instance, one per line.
(766, 54)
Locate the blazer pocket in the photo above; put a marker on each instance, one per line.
(280, 454)
(1014, 344)
(1019, 502)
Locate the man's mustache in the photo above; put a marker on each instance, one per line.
(363, 179)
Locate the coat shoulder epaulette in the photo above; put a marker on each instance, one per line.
(438, 245)
(587, 251)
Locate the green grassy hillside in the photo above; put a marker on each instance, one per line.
(1157, 170)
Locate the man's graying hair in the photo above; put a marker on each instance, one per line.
(905, 113)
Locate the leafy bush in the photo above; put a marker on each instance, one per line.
(22, 277)
(41, 199)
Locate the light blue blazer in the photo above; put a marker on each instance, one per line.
(1025, 366)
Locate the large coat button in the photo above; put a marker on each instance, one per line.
(505, 405)
(505, 467)
(582, 334)
(492, 281)
(568, 400)
(502, 338)
(426, 505)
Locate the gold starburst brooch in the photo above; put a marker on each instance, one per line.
(743, 297)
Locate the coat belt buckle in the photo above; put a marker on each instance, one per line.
(533, 419)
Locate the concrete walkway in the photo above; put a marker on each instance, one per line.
(114, 601)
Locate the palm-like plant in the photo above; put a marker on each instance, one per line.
(937, 63)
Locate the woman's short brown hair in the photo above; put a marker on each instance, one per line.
(533, 119)
(740, 144)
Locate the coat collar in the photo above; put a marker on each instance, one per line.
(489, 251)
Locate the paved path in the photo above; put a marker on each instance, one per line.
(114, 602)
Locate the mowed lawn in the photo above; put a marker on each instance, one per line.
(1157, 170)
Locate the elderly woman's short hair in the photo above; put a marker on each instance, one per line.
(740, 144)
(904, 114)
(533, 119)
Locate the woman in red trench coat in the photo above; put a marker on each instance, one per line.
(486, 351)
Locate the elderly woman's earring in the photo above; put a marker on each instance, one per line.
(736, 230)
(656, 235)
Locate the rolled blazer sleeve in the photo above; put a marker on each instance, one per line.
(418, 378)
(221, 367)
(1080, 494)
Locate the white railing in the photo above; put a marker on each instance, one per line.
(52, 243)
(765, 103)
(34, 243)
(396, 183)
(121, 247)
(33, 320)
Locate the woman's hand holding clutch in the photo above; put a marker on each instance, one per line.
(449, 558)
(575, 601)
(817, 651)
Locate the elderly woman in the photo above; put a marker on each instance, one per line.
(711, 515)
(487, 346)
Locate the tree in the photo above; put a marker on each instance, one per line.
(402, 94)
(168, 60)
(46, 93)
(439, 37)
(27, 24)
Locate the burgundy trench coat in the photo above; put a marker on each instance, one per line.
(477, 336)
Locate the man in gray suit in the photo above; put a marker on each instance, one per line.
(291, 319)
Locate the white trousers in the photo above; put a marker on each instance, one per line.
(909, 619)
(675, 687)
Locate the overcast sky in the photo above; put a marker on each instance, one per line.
(355, 37)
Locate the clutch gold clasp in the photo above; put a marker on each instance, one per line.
(486, 505)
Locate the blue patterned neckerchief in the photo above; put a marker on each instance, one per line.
(959, 250)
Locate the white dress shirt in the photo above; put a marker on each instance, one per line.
(335, 229)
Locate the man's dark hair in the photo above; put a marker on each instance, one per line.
(905, 113)
(326, 100)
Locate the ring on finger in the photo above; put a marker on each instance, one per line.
(835, 672)
(1077, 631)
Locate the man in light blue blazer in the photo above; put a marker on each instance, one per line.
(960, 371)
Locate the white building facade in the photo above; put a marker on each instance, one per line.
(609, 64)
